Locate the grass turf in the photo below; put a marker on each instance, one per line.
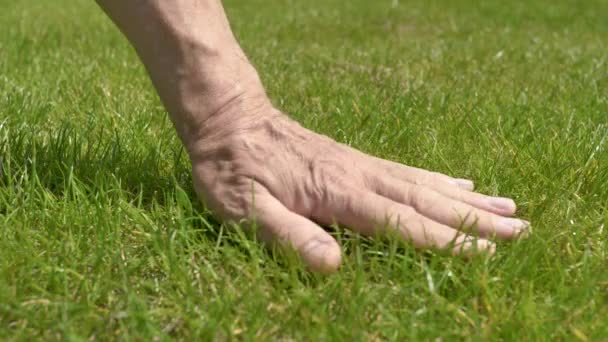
(102, 237)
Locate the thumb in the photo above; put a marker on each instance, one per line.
(317, 249)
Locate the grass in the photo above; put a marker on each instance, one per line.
(101, 236)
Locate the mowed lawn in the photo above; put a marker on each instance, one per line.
(102, 237)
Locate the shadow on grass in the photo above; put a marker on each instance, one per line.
(98, 159)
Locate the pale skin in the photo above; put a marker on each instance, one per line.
(252, 163)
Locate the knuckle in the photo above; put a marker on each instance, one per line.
(398, 215)
(374, 182)
(422, 198)
(459, 195)
(429, 178)
(326, 176)
(334, 178)
(424, 178)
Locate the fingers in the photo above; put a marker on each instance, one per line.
(498, 205)
(455, 188)
(369, 213)
(420, 176)
(319, 251)
(449, 211)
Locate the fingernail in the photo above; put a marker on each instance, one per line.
(311, 248)
(503, 204)
(478, 245)
(519, 226)
(486, 246)
(322, 256)
(464, 183)
(525, 232)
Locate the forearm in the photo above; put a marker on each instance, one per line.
(191, 55)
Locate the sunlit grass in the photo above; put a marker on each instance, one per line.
(101, 235)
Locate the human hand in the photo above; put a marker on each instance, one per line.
(249, 161)
(255, 163)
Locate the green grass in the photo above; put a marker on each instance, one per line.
(101, 235)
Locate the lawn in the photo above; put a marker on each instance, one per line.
(102, 237)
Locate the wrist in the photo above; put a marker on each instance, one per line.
(214, 88)
(232, 126)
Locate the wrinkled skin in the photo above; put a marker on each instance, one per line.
(291, 180)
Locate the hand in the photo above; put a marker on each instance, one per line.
(253, 162)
